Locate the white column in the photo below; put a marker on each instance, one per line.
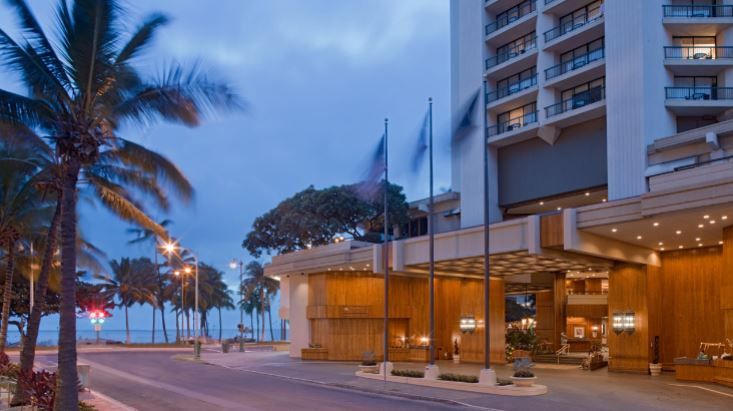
(299, 324)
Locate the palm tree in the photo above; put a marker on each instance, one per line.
(131, 281)
(147, 235)
(23, 212)
(79, 94)
(257, 282)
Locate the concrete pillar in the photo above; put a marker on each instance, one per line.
(299, 323)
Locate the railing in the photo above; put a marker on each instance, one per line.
(698, 53)
(550, 1)
(515, 52)
(506, 19)
(698, 11)
(513, 88)
(513, 124)
(579, 22)
(577, 101)
(574, 64)
(564, 350)
(699, 93)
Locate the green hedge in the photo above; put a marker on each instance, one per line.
(458, 378)
(408, 373)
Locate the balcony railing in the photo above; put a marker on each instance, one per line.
(514, 52)
(578, 22)
(698, 11)
(511, 89)
(550, 1)
(513, 124)
(698, 53)
(514, 14)
(577, 101)
(699, 93)
(574, 64)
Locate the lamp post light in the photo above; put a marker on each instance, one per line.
(233, 265)
(171, 248)
(177, 273)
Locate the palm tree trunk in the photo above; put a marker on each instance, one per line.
(67, 390)
(269, 316)
(178, 328)
(219, 308)
(252, 323)
(188, 325)
(154, 310)
(127, 324)
(258, 325)
(28, 352)
(262, 312)
(7, 294)
(162, 320)
(161, 301)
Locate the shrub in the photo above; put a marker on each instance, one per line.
(10, 370)
(368, 359)
(523, 374)
(41, 388)
(86, 407)
(408, 373)
(458, 378)
(503, 382)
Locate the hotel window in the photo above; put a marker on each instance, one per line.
(517, 82)
(582, 55)
(516, 118)
(693, 48)
(583, 94)
(515, 13)
(516, 47)
(581, 16)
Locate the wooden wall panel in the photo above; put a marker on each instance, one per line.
(551, 230)
(727, 282)
(627, 291)
(545, 316)
(560, 299)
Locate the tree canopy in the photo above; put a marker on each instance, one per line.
(315, 217)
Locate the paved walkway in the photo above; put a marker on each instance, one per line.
(570, 388)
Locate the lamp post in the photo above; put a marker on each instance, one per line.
(233, 266)
(171, 248)
(177, 273)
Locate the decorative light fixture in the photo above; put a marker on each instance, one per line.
(613, 230)
(678, 232)
(656, 224)
(618, 323)
(467, 324)
(629, 322)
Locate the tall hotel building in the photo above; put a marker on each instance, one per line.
(610, 139)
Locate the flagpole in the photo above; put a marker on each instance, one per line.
(487, 266)
(385, 250)
(431, 234)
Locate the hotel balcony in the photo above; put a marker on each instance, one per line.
(505, 29)
(699, 101)
(581, 69)
(513, 130)
(497, 6)
(563, 7)
(697, 20)
(698, 61)
(581, 107)
(517, 94)
(504, 65)
(576, 33)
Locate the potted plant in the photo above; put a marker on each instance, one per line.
(523, 376)
(456, 352)
(225, 346)
(368, 362)
(655, 368)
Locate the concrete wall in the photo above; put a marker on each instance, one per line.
(299, 330)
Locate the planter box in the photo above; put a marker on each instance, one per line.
(523, 382)
(314, 354)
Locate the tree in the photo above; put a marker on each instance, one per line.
(256, 283)
(314, 217)
(132, 282)
(146, 235)
(79, 94)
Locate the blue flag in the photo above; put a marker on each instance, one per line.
(421, 146)
(370, 187)
(463, 123)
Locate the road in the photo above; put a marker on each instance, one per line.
(156, 381)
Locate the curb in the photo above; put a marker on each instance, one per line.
(414, 397)
(112, 401)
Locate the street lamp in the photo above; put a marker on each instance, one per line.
(171, 248)
(177, 273)
(233, 265)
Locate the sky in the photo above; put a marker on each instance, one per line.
(318, 76)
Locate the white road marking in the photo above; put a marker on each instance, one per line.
(703, 388)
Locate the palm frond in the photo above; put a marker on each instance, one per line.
(142, 38)
(17, 109)
(131, 178)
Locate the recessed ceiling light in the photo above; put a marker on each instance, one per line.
(697, 239)
(706, 216)
(613, 230)
(680, 247)
(638, 237)
(661, 243)
(720, 243)
(587, 194)
(662, 248)
(604, 200)
(712, 221)
(559, 208)
(700, 225)
(699, 245)
(725, 217)
(542, 203)
(656, 224)
(678, 232)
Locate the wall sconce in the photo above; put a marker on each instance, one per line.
(618, 323)
(467, 324)
(629, 322)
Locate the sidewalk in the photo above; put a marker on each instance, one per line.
(569, 387)
(104, 403)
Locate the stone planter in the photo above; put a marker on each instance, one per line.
(369, 368)
(655, 369)
(523, 382)
(456, 359)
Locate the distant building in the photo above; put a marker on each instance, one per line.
(609, 131)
